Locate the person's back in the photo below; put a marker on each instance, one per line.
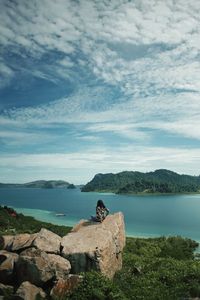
(101, 211)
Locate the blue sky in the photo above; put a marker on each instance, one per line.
(98, 86)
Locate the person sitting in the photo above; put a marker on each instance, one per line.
(101, 211)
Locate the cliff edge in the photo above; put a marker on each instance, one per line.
(50, 265)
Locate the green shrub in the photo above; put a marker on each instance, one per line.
(95, 286)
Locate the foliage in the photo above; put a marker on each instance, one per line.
(153, 269)
(161, 268)
(95, 286)
(71, 186)
(11, 224)
(46, 184)
(160, 181)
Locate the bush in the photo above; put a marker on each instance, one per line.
(95, 286)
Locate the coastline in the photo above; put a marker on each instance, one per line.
(50, 217)
(141, 193)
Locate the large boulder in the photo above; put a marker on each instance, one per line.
(18, 242)
(96, 246)
(64, 287)
(6, 290)
(7, 266)
(33, 266)
(28, 291)
(60, 265)
(6, 242)
(47, 241)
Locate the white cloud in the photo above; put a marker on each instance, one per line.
(103, 160)
(89, 27)
(148, 51)
(178, 114)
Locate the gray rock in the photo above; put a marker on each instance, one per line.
(33, 266)
(17, 242)
(28, 291)
(60, 265)
(96, 246)
(64, 287)
(6, 242)
(47, 241)
(6, 290)
(7, 265)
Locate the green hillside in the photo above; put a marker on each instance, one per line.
(45, 184)
(159, 181)
(14, 223)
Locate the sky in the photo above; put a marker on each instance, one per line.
(92, 87)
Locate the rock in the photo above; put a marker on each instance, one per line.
(22, 241)
(117, 227)
(7, 265)
(47, 241)
(64, 287)
(6, 290)
(96, 246)
(17, 242)
(6, 242)
(28, 291)
(33, 266)
(60, 265)
(80, 224)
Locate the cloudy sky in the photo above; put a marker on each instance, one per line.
(98, 86)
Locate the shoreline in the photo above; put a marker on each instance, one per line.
(143, 193)
(50, 217)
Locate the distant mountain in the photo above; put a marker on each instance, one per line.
(71, 186)
(46, 184)
(159, 181)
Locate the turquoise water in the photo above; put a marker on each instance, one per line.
(146, 216)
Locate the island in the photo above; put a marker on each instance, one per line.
(130, 182)
(44, 184)
(71, 186)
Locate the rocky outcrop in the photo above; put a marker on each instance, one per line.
(96, 246)
(44, 240)
(60, 265)
(47, 241)
(32, 264)
(6, 290)
(19, 242)
(64, 287)
(28, 291)
(7, 266)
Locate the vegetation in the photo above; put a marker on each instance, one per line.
(71, 186)
(160, 268)
(13, 223)
(44, 184)
(160, 181)
(95, 286)
(153, 269)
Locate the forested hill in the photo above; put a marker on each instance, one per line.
(159, 181)
(46, 184)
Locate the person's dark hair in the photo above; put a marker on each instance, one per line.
(100, 204)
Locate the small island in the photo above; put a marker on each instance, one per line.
(71, 186)
(41, 184)
(158, 182)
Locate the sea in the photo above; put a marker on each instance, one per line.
(145, 215)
